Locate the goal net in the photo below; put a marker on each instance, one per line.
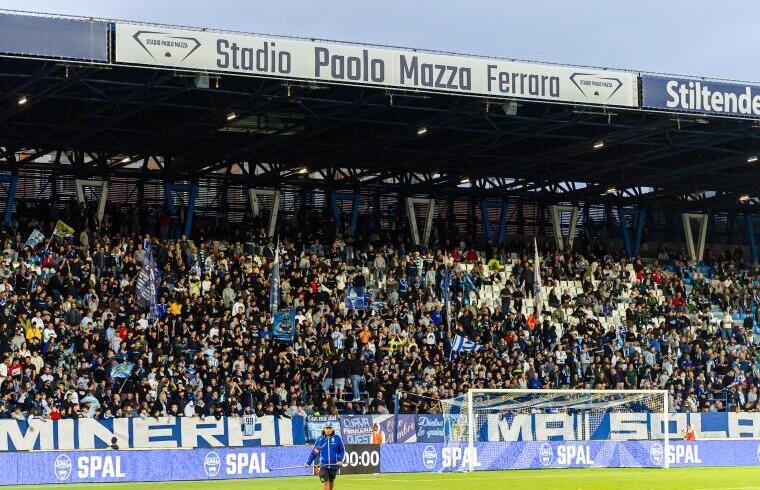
(596, 427)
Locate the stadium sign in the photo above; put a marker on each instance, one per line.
(369, 65)
(700, 96)
(53, 37)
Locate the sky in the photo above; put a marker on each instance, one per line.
(710, 38)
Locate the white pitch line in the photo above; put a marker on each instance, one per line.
(728, 488)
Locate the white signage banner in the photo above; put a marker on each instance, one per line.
(368, 65)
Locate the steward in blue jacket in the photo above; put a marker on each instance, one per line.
(329, 452)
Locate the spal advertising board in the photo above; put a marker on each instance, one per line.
(369, 65)
(22, 468)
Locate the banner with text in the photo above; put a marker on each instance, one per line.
(61, 467)
(150, 433)
(334, 62)
(315, 424)
(618, 425)
(183, 432)
(356, 429)
(430, 428)
(700, 96)
(420, 457)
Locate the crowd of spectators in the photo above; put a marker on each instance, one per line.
(69, 314)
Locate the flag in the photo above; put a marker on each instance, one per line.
(62, 229)
(469, 285)
(34, 239)
(462, 344)
(536, 283)
(122, 370)
(274, 290)
(445, 287)
(154, 274)
(622, 331)
(356, 298)
(284, 326)
(145, 286)
(249, 424)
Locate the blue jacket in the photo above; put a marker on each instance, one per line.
(330, 451)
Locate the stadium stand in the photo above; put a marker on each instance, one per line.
(71, 314)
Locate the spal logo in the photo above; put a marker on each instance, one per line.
(656, 453)
(546, 453)
(429, 457)
(62, 467)
(212, 463)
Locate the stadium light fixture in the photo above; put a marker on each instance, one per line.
(231, 116)
(22, 100)
(421, 131)
(303, 170)
(744, 197)
(510, 108)
(599, 145)
(752, 159)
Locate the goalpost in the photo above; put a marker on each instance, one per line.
(485, 416)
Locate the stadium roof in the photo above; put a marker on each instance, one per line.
(109, 119)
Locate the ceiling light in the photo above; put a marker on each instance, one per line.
(752, 159)
(22, 100)
(465, 180)
(611, 190)
(231, 116)
(421, 131)
(126, 160)
(303, 170)
(598, 145)
(744, 197)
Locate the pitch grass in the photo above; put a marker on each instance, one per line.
(745, 478)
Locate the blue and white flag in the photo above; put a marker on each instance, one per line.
(284, 326)
(356, 298)
(468, 284)
(462, 344)
(622, 331)
(35, 238)
(274, 291)
(122, 370)
(145, 286)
